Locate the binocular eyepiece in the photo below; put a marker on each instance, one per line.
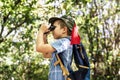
(51, 28)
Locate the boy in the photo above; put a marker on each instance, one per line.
(63, 27)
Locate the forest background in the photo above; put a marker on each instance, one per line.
(99, 27)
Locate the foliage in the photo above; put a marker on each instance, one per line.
(98, 22)
(18, 59)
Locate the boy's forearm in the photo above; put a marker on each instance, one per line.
(45, 38)
(40, 40)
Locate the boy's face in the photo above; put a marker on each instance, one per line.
(58, 32)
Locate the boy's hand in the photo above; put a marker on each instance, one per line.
(44, 28)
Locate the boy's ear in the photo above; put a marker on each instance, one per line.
(64, 29)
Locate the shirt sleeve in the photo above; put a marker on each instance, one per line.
(61, 45)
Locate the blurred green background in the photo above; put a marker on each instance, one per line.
(99, 27)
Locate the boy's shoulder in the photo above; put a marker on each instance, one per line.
(61, 44)
(62, 40)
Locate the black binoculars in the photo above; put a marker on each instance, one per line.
(51, 28)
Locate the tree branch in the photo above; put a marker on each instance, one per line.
(15, 28)
(5, 18)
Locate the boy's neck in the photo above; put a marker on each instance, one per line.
(64, 36)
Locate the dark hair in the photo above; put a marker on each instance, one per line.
(63, 24)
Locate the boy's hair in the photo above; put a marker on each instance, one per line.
(63, 24)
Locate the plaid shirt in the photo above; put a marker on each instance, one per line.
(64, 49)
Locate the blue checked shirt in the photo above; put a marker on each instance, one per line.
(64, 49)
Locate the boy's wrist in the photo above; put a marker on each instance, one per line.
(41, 31)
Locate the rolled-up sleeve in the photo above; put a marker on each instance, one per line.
(61, 45)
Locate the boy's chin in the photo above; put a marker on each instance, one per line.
(56, 37)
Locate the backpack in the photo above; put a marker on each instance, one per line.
(81, 61)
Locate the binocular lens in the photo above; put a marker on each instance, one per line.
(51, 28)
